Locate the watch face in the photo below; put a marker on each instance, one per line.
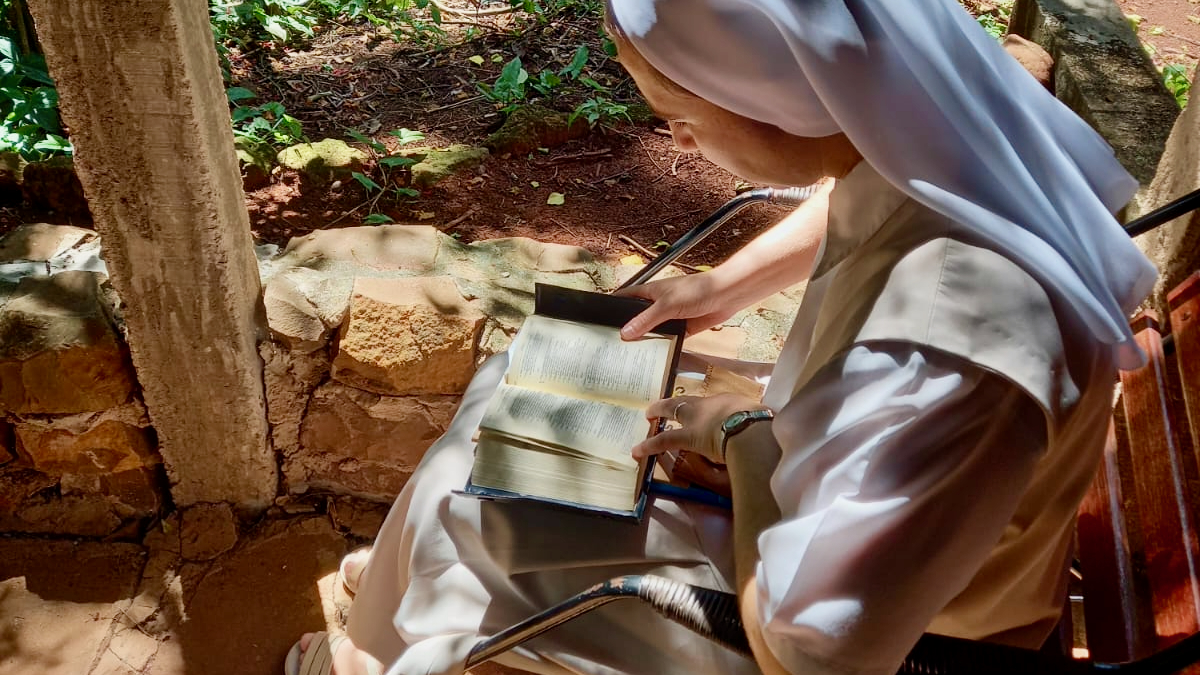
(735, 421)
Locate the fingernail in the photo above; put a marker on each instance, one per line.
(627, 332)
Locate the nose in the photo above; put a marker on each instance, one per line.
(683, 137)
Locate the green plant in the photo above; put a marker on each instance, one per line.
(387, 163)
(266, 124)
(1176, 81)
(509, 88)
(29, 122)
(600, 110)
(995, 20)
(247, 21)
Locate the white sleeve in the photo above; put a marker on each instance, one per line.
(900, 470)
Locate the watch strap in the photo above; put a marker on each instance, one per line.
(739, 422)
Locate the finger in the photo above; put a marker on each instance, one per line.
(674, 439)
(666, 407)
(642, 323)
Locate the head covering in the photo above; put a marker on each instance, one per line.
(937, 107)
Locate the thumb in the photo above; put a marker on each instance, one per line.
(642, 323)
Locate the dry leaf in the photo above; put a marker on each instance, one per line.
(556, 199)
(632, 260)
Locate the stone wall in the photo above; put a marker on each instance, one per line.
(77, 454)
(374, 333)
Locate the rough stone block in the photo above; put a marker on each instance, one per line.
(11, 167)
(534, 126)
(59, 352)
(439, 164)
(411, 248)
(207, 531)
(323, 160)
(53, 185)
(357, 517)
(408, 336)
(41, 241)
(304, 307)
(31, 502)
(364, 443)
(289, 378)
(108, 447)
(524, 253)
(141, 490)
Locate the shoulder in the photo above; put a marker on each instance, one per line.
(960, 299)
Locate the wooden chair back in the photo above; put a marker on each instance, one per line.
(1138, 543)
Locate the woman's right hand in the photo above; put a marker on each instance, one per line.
(698, 298)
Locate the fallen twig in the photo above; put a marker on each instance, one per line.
(588, 154)
(470, 212)
(448, 106)
(568, 230)
(652, 254)
(491, 11)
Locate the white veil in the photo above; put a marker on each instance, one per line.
(938, 108)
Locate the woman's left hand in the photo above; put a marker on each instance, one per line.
(700, 419)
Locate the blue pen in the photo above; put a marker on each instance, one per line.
(697, 495)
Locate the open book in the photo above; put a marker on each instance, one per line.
(572, 404)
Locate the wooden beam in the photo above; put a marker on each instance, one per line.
(1168, 527)
(141, 93)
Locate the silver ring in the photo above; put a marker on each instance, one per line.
(675, 412)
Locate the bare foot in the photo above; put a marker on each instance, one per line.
(347, 659)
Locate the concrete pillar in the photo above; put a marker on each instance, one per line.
(141, 94)
(1104, 75)
(1175, 246)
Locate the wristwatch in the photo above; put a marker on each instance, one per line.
(739, 422)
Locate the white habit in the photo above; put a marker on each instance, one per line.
(939, 421)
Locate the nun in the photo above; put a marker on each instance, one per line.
(932, 423)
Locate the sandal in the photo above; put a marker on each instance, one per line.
(350, 571)
(318, 659)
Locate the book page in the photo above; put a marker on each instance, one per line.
(603, 431)
(528, 470)
(589, 361)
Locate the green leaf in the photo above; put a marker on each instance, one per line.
(610, 47)
(366, 182)
(366, 140)
(477, 60)
(407, 136)
(276, 30)
(243, 113)
(393, 162)
(593, 84)
(556, 199)
(407, 192)
(377, 219)
(235, 94)
(575, 67)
